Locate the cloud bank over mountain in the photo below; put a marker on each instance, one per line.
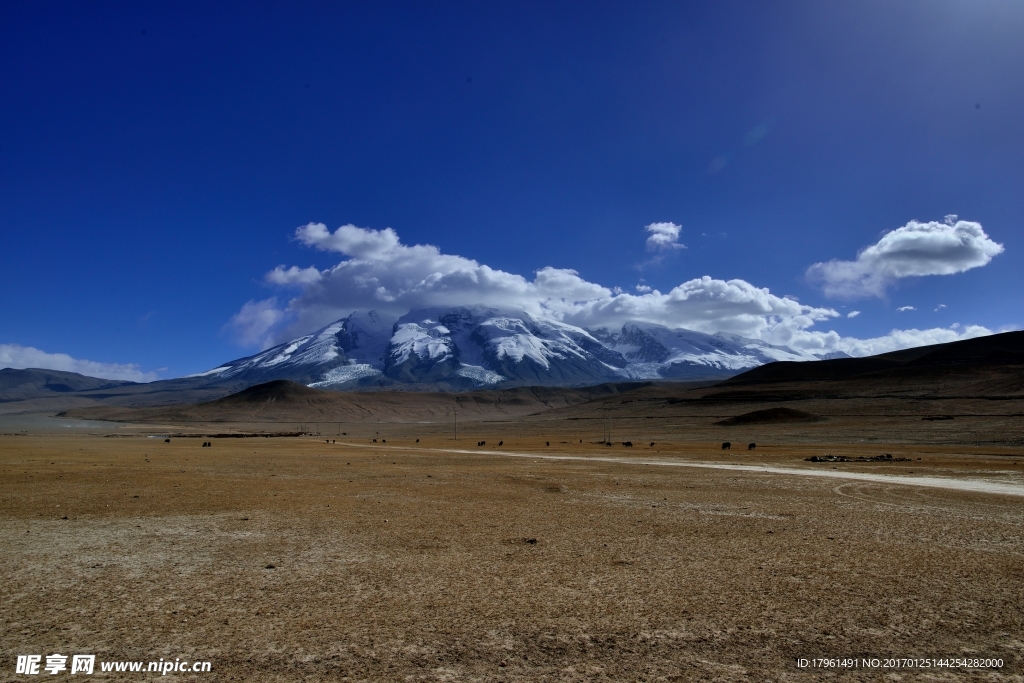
(21, 357)
(379, 272)
(914, 250)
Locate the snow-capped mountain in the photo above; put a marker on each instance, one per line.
(474, 346)
(347, 352)
(468, 347)
(655, 352)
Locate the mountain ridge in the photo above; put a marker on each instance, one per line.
(17, 384)
(464, 348)
(1006, 348)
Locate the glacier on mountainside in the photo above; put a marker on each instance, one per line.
(479, 375)
(345, 374)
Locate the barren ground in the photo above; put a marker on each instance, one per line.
(399, 561)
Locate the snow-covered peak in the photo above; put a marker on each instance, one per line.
(425, 339)
(463, 347)
(359, 339)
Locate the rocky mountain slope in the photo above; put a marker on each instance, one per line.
(20, 385)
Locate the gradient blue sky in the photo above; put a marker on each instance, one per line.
(156, 158)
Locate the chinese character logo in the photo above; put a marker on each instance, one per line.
(56, 663)
(28, 664)
(82, 664)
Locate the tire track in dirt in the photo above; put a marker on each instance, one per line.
(949, 483)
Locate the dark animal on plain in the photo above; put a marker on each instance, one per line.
(627, 443)
(547, 443)
(417, 440)
(607, 443)
(726, 445)
(481, 443)
(383, 440)
(375, 440)
(167, 440)
(652, 444)
(501, 443)
(751, 446)
(327, 440)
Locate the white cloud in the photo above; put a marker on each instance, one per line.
(255, 322)
(914, 250)
(382, 273)
(853, 314)
(702, 304)
(20, 357)
(378, 272)
(663, 236)
(939, 307)
(904, 309)
(293, 276)
(905, 339)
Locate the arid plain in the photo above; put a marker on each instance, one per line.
(365, 542)
(442, 560)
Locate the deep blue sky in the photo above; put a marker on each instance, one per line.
(155, 159)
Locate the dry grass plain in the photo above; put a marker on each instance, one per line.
(399, 561)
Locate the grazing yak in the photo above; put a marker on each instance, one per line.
(627, 443)
(726, 445)
(751, 446)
